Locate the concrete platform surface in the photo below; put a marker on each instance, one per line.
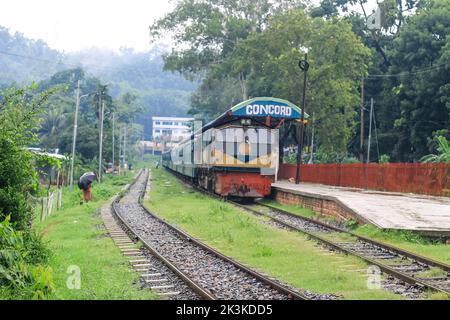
(384, 209)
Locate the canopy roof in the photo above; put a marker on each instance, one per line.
(260, 109)
(265, 106)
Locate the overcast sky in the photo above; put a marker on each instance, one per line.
(71, 25)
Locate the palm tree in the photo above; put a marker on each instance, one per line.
(443, 151)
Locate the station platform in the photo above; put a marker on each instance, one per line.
(387, 210)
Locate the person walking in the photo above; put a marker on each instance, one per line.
(85, 184)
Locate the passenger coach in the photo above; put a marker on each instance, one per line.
(236, 155)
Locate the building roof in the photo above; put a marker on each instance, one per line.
(172, 119)
(47, 154)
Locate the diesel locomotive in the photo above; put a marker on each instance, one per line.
(235, 155)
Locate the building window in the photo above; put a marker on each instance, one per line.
(157, 122)
(167, 123)
(157, 131)
(168, 132)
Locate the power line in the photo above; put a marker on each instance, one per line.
(66, 64)
(423, 70)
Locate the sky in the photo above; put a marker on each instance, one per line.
(71, 25)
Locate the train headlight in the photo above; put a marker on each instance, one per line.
(246, 122)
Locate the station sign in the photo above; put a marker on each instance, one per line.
(263, 107)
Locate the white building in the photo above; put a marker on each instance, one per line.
(172, 129)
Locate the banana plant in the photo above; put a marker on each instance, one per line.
(443, 148)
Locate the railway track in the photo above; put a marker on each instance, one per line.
(417, 271)
(211, 274)
(409, 274)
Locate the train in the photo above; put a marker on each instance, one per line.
(237, 154)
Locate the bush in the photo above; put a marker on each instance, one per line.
(18, 274)
(384, 158)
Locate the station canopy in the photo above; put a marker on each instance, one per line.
(263, 110)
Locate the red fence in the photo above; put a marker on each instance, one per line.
(424, 178)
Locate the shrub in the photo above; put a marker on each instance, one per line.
(17, 273)
(384, 158)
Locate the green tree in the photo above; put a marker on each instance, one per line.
(421, 89)
(206, 32)
(21, 112)
(337, 60)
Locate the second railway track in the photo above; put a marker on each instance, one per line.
(407, 271)
(401, 264)
(200, 265)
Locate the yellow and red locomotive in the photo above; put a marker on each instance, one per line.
(236, 155)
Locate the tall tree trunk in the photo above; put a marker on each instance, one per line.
(243, 86)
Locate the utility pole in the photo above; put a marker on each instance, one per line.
(125, 144)
(312, 141)
(74, 138)
(113, 141)
(304, 65)
(361, 141)
(370, 129)
(100, 151)
(120, 149)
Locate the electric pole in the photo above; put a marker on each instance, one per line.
(125, 144)
(120, 149)
(100, 151)
(361, 141)
(370, 129)
(304, 65)
(113, 141)
(74, 138)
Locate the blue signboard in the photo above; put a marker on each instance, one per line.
(263, 107)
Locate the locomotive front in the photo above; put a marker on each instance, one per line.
(236, 155)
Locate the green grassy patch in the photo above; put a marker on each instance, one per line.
(77, 240)
(288, 256)
(407, 241)
(403, 239)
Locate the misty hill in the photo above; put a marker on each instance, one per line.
(23, 60)
(161, 93)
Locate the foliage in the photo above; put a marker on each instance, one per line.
(384, 158)
(443, 148)
(422, 97)
(57, 129)
(21, 112)
(291, 157)
(257, 55)
(410, 64)
(205, 32)
(16, 271)
(351, 224)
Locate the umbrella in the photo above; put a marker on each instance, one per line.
(86, 179)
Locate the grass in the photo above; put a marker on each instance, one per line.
(288, 256)
(403, 239)
(77, 239)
